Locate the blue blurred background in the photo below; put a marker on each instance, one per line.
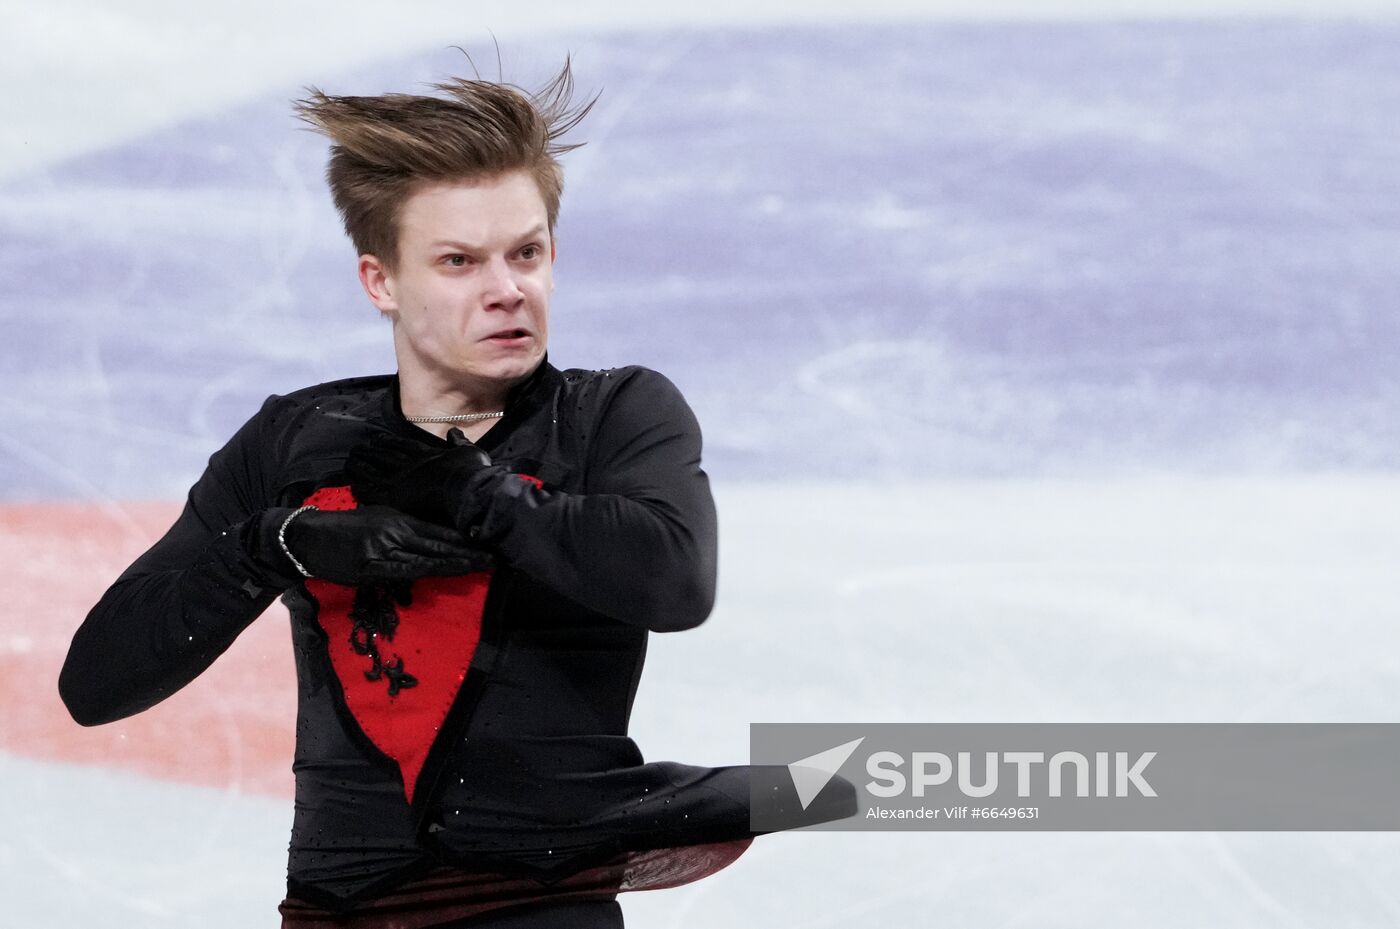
(890, 251)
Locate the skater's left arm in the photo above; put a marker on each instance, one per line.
(640, 543)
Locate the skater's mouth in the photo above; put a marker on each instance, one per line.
(508, 335)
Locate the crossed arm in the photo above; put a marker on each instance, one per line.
(639, 545)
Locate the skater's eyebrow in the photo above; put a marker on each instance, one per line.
(453, 243)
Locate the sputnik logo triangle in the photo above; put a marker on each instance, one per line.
(811, 774)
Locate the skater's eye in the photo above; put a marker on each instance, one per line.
(531, 252)
(457, 261)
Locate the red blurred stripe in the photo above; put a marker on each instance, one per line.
(232, 728)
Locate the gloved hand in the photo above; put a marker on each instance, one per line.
(367, 544)
(426, 481)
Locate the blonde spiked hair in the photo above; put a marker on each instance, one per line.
(384, 147)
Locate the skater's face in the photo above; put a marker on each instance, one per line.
(470, 296)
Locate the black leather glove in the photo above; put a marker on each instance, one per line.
(364, 545)
(426, 481)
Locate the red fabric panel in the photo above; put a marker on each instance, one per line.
(436, 638)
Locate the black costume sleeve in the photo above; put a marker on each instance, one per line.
(181, 604)
(639, 544)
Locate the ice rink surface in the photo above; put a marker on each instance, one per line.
(1046, 371)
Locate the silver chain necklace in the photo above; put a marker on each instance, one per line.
(456, 418)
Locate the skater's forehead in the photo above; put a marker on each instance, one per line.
(475, 214)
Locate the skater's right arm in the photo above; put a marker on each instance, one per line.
(182, 603)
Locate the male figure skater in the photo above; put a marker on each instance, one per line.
(473, 551)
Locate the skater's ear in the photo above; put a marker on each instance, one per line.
(379, 285)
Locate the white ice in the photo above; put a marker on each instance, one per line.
(1153, 600)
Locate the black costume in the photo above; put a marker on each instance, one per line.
(496, 740)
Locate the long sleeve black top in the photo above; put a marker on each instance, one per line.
(531, 769)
